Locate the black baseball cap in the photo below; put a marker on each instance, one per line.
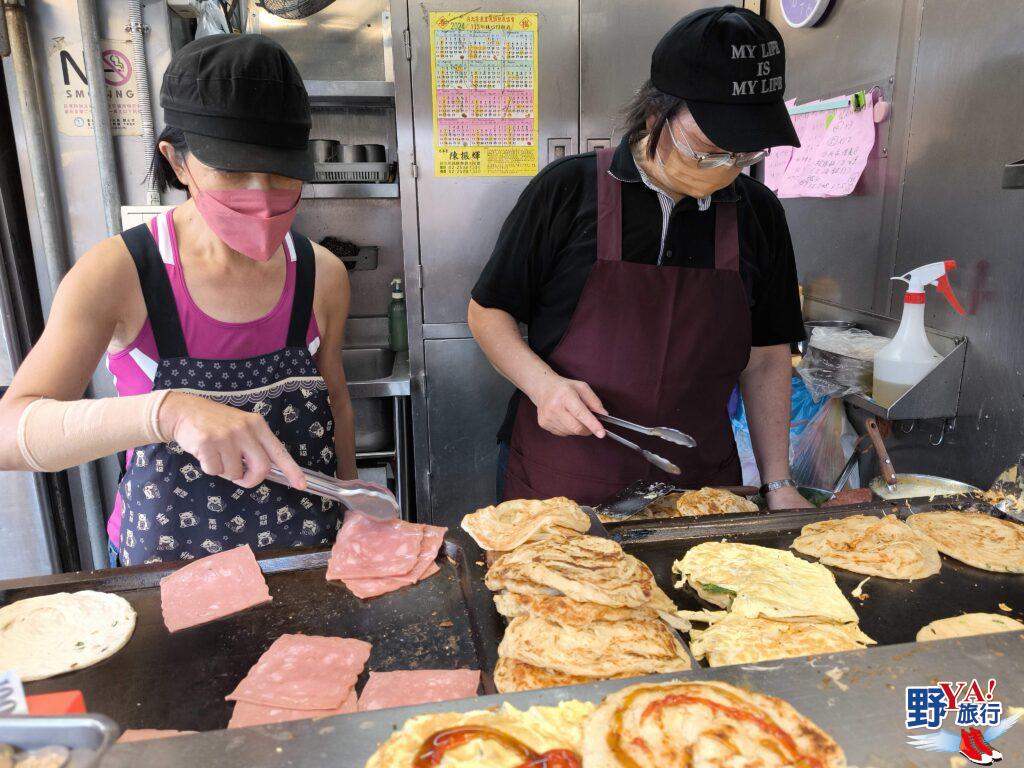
(729, 65)
(242, 105)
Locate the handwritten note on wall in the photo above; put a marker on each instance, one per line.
(833, 152)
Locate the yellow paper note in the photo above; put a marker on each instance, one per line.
(483, 68)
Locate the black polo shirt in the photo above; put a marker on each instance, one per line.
(548, 244)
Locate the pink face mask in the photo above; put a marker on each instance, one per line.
(254, 222)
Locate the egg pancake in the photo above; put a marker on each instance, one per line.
(703, 724)
(986, 542)
(539, 729)
(712, 501)
(512, 523)
(967, 625)
(885, 547)
(763, 582)
(741, 640)
(601, 649)
(587, 569)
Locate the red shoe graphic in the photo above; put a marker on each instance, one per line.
(984, 747)
(970, 751)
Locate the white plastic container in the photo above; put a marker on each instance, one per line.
(909, 357)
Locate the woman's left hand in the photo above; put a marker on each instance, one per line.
(787, 498)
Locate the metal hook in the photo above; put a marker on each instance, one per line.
(942, 436)
(907, 426)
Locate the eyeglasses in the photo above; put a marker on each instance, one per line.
(716, 159)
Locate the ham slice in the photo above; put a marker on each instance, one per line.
(373, 583)
(407, 688)
(367, 546)
(212, 588)
(245, 714)
(145, 734)
(304, 672)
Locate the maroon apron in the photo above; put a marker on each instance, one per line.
(661, 346)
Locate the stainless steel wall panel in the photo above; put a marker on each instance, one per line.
(966, 124)
(344, 41)
(466, 401)
(837, 241)
(460, 217)
(615, 56)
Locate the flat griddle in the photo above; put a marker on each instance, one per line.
(894, 610)
(179, 681)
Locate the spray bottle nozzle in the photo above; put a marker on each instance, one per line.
(931, 274)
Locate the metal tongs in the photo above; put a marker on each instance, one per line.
(667, 434)
(375, 500)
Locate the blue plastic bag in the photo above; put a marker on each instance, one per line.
(802, 410)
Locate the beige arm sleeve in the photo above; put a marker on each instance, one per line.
(54, 435)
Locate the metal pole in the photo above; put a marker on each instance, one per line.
(39, 156)
(91, 50)
(137, 29)
(50, 223)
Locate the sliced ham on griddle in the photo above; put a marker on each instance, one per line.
(364, 557)
(367, 547)
(304, 672)
(246, 714)
(212, 588)
(407, 688)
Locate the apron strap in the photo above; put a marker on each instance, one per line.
(609, 209)
(157, 292)
(727, 242)
(305, 282)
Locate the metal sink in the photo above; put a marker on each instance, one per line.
(367, 364)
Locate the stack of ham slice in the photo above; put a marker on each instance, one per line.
(298, 677)
(212, 588)
(373, 556)
(407, 688)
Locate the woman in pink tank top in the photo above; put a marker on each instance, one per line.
(220, 302)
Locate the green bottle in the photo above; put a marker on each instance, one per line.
(398, 329)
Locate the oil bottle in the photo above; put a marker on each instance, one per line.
(398, 328)
(909, 357)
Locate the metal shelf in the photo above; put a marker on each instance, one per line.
(936, 396)
(348, 191)
(340, 93)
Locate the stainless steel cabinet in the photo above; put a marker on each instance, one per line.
(465, 404)
(458, 399)
(460, 217)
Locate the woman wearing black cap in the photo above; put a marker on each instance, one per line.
(653, 278)
(223, 330)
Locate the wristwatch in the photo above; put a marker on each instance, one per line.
(775, 485)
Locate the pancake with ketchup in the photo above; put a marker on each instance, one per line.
(703, 724)
(502, 738)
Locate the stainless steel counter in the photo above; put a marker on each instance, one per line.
(861, 706)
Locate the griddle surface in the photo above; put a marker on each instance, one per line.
(894, 610)
(179, 681)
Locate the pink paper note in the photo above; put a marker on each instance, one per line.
(835, 146)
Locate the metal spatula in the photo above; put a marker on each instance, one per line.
(1010, 486)
(375, 500)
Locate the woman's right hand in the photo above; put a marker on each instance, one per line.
(229, 443)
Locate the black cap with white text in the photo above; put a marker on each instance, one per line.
(729, 65)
